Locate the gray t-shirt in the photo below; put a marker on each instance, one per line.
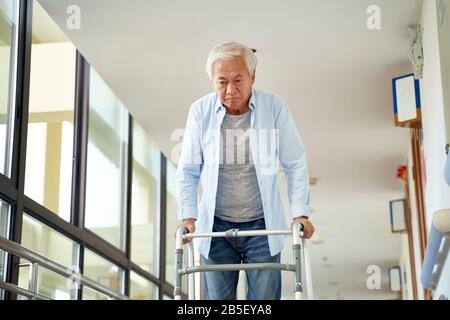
(238, 198)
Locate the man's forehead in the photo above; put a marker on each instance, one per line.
(224, 76)
(237, 62)
(230, 69)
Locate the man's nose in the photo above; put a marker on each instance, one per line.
(231, 89)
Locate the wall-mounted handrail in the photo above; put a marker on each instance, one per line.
(33, 257)
(427, 277)
(437, 249)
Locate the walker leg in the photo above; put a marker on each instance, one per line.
(191, 277)
(298, 287)
(178, 266)
(297, 252)
(307, 268)
(178, 263)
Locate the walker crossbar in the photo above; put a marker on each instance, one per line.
(238, 267)
(237, 233)
(298, 248)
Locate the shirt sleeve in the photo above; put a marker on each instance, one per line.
(189, 166)
(292, 157)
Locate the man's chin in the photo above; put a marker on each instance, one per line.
(234, 104)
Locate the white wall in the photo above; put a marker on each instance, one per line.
(415, 224)
(405, 264)
(405, 260)
(437, 192)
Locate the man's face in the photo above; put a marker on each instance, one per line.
(232, 83)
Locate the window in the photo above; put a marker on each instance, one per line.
(4, 223)
(48, 172)
(50, 284)
(106, 163)
(145, 206)
(172, 222)
(51, 244)
(45, 241)
(90, 294)
(9, 11)
(104, 272)
(141, 288)
(4, 218)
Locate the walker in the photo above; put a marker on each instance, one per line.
(298, 248)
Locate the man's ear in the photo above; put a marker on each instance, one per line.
(253, 77)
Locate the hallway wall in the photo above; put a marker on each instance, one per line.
(437, 192)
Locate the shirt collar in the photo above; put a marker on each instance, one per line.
(252, 102)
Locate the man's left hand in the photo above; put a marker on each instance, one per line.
(308, 228)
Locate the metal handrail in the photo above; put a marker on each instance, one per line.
(436, 253)
(35, 258)
(23, 292)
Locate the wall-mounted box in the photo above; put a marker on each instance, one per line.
(406, 95)
(397, 210)
(395, 279)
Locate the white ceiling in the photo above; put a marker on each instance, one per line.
(333, 72)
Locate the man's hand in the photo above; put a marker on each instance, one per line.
(308, 228)
(188, 224)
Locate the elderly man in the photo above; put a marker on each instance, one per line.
(233, 141)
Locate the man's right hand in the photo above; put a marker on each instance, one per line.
(188, 224)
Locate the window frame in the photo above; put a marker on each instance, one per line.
(12, 188)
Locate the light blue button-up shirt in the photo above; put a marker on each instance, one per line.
(274, 140)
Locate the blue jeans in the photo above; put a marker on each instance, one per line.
(261, 284)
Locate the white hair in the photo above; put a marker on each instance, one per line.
(230, 50)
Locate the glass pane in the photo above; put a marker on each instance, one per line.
(172, 222)
(55, 286)
(4, 232)
(145, 206)
(51, 244)
(4, 218)
(89, 294)
(106, 163)
(48, 172)
(101, 270)
(141, 288)
(9, 10)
